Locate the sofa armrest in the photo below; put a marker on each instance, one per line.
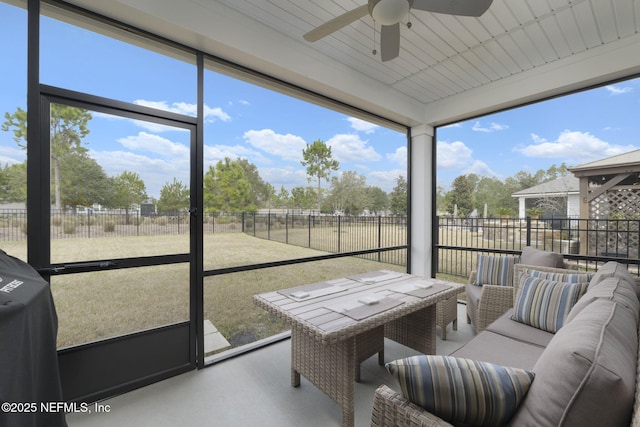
(391, 409)
(494, 301)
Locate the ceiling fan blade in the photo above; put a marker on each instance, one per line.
(389, 42)
(453, 7)
(336, 23)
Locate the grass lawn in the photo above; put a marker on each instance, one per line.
(93, 306)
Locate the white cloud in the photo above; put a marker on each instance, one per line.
(288, 176)
(453, 155)
(287, 147)
(210, 114)
(362, 126)
(399, 156)
(386, 180)
(155, 144)
(348, 147)
(493, 127)
(12, 154)
(581, 146)
(480, 168)
(618, 90)
(214, 153)
(155, 172)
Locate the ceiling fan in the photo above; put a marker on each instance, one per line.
(388, 14)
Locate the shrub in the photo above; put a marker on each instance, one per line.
(109, 227)
(69, 226)
(161, 220)
(56, 220)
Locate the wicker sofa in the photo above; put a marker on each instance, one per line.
(586, 373)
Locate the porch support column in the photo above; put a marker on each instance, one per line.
(421, 183)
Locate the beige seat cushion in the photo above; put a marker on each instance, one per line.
(586, 376)
(509, 328)
(500, 350)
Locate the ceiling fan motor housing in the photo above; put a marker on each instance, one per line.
(389, 12)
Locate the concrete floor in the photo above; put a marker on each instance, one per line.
(251, 390)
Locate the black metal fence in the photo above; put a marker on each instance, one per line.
(89, 224)
(334, 233)
(587, 243)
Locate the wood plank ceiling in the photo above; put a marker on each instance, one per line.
(443, 55)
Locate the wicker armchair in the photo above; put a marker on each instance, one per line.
(488, 302)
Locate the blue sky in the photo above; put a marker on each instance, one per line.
(271, 130)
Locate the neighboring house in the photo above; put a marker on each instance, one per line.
(603, 189)
(560, 197)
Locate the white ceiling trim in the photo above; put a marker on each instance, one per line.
(224, 32)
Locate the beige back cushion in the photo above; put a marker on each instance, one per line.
(586, 376)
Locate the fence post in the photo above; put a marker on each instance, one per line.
(339, 231)
(309, 227)
(435, 259)
(528, 231)
(379, 237)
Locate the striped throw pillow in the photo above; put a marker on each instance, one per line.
(495, 270)
(462, 391)
(545, 304)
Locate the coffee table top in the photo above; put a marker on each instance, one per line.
(334, 310)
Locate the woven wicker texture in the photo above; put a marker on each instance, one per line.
(391, 409)
(328, 346)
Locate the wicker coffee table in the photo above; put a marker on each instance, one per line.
(337, 324)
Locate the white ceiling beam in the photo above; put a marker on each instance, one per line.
(616, 60)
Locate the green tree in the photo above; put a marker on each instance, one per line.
(377, 200)
(398, 197)
(174, 196)
(462, 194)
(282, 199)
(261, 192)
(348, 193)
(13, 183)
(68, 127)
(494, 193)
(227, 188)
(319, 162)
(303, 197)
(129, 189)
(83, 182)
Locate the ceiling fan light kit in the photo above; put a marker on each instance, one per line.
(389, 13)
